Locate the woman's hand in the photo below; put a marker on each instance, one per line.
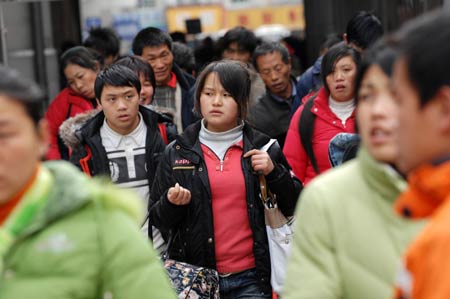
(178, 195)
(261, 161)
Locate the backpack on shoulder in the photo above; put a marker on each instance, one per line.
(306, 130)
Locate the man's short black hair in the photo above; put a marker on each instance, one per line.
(333, 55)
(424, 43)
(26, 92)
(245, 39)
(150, 37)
(118, 76)
(268, 48)
(103, 40)
(363, 29)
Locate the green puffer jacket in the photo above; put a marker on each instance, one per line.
(348, 240)
(85, 243)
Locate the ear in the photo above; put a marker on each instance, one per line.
(99, 104)
(443, 98)
(344, 37)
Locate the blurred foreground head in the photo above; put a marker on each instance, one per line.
(23, 132)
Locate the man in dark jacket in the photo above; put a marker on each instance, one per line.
(173, 94)
(273, 111)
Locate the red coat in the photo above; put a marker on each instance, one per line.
(326, 126)
(58, 112)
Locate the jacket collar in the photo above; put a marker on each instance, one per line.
(75, 98)
(381, 177)
(322, 108)
(85, 126)
(70, 192)
(184, 79)
(429, 186)
(189, 140)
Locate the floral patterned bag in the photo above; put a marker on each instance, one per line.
(191, 281)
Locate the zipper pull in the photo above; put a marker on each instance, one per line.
(221, 165)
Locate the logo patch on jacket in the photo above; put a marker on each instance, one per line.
(56, 243)
(182, 164)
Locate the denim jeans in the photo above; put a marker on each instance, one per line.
(342, 147)
(243, 285)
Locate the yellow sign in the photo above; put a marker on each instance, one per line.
(211, 17)
(291, 16)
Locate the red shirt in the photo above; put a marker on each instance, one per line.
(232, 232)
(173, 81)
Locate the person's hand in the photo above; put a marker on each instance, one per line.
(179, 195)
(261, 161)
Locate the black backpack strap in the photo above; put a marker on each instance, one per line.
(63, 149)
(306, 129)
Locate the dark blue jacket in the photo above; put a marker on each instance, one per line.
(310, 80)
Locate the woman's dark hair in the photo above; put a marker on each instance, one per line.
(334, 54)
(26, 92)
(116, 75)
(235, 79)
(139, 66)
(381, 55)
(82, 56)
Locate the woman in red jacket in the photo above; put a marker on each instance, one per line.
(80, 66)
(330, 112)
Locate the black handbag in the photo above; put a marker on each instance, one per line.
(190, 281)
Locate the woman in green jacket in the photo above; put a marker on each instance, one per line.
(348, 240)
(63, 235)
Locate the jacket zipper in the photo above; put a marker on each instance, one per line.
(221, 161)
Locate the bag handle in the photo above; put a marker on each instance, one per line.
(263, 187)
(266, 195)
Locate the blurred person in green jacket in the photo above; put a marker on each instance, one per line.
(63, 235)
(348, 239)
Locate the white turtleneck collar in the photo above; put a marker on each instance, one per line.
(343, 110)
(220, 142)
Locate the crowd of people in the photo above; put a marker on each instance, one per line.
(149, 155)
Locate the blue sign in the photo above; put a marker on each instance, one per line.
(92, 22)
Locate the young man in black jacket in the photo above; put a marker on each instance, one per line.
(123, 140)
